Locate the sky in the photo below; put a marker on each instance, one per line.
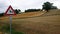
(25, 4)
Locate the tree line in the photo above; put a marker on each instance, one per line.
(46, 6)
(32, 10)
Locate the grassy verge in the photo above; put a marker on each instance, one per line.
(6, 29)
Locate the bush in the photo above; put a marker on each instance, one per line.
(17, 11)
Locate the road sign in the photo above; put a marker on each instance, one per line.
(10, 11)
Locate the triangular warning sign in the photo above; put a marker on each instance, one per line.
(10, 11)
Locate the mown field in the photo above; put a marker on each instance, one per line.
(44, 23)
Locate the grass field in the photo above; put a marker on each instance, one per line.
(35, 25)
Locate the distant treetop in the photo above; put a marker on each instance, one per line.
(47, 6)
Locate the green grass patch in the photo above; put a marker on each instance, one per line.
(6, 29)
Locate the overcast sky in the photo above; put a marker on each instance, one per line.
(25, 4)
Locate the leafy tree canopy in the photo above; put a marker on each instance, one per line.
(47, 6)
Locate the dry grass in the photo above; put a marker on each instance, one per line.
(36, 25)
(25, 15)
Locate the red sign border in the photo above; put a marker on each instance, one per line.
(11, 9)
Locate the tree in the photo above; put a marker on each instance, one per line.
(1, 14)
(47, 6)
(54, 7)
(17, 11)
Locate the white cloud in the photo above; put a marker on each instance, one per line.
(56, 3)
(3, 5)
(25, 4)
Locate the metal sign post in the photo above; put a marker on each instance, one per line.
(10, 23)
